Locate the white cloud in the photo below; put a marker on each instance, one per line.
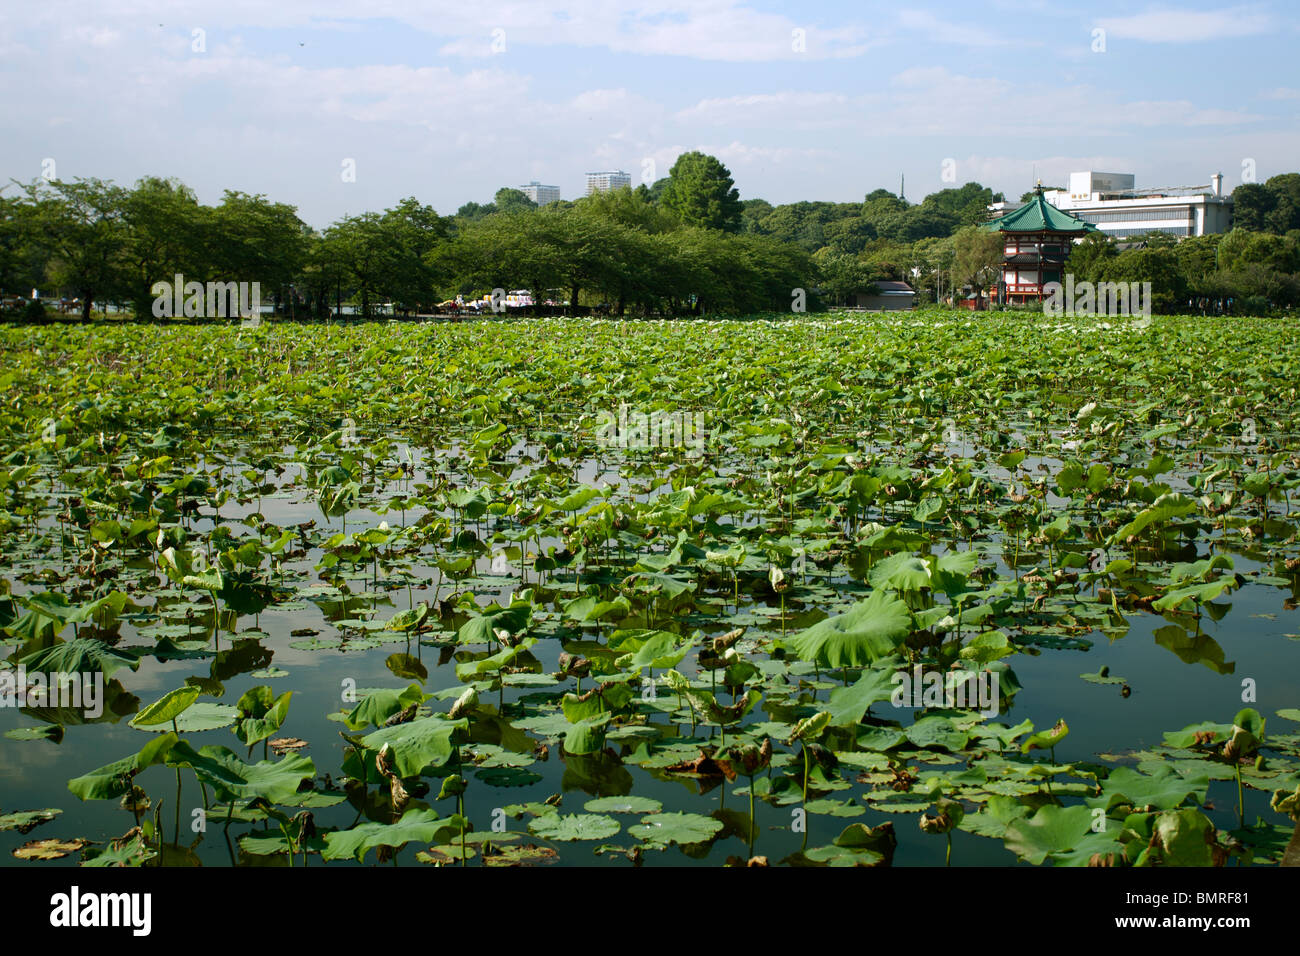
(258, 113)
(1174, 25)
(962, 34)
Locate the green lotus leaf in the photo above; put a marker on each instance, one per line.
(260, 714)
(628, 804)
(25, 821)
(507, 776)
(574, 826)
(586, 736)
(198, 717)
(849, 704)
(1186, 838)
(80, 656)
(114, 780)
(233, 779)
(871, 630)
(936, 731)
(50, 732)
(417, 825)
(901, 572)
(408, 620)
(1046, 739)
(1163, 789)
(1052, 829)
(426, 742)
(166, 708)
(680, 828)
(379, 705)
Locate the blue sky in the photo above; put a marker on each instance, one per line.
(448, 102)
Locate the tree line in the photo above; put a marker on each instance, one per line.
(687, 244)
(621, 252)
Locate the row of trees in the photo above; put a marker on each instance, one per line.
(687, 243)
(1242, 271)
(680, 252)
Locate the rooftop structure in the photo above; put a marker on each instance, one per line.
(1112, 203)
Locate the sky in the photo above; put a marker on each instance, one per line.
(340, 107)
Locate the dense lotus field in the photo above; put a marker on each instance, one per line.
(803, 590)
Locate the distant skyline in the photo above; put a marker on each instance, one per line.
(451, 102)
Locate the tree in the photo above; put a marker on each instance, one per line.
(22, 261)
(967, 205)
(168, 230)
(472, 211)
(512, 200)
(1158, 266)
(654, 192)
(360, 245)
(977, 257)
(881, 203)
(412, 233)
(506, 251)
(842, 274)
(849, 235)
(752, 212)
(1087, 257)
(1285, 214)
(1251, 205)
(700, 192)
(628, 207)
(323, 275)
(81, 226)
(916, 222)
(255, 240)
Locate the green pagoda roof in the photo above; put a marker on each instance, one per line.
(1039, 215)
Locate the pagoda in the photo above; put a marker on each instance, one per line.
(1036, 239)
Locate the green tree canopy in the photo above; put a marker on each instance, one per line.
(700, 192)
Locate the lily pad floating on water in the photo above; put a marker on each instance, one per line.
(50, 732)
(574, 826)
(835, 808)
(51, 849)
(684, 829)
(1102, 676)
(318, 644)
(529, 854)
(24, 821)
(507, 776)
(628, 804)
(268, 673)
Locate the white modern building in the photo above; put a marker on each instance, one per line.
(540, 194)
(605, 181)
(1111, 202)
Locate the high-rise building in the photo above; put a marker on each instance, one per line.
(605, 181)
(540, 194)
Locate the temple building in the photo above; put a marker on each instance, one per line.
(1037, 238)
